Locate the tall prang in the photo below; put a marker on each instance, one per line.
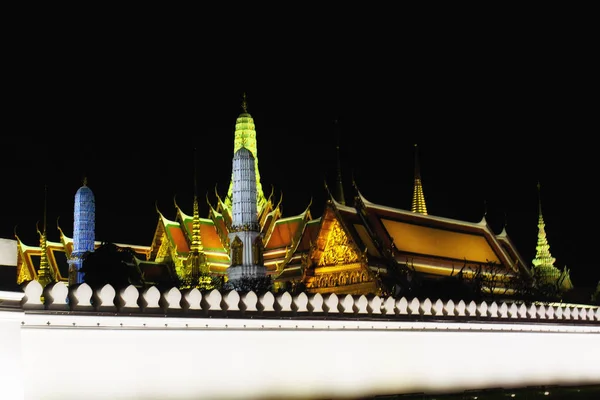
(245, 241)
(84, 231)
(245, 136)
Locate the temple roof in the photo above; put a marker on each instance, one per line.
(208, 232)
(419, 236)
(282, 244)
(179, 234)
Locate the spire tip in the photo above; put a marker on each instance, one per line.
(244, 102)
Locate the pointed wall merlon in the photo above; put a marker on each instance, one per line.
(130, 300)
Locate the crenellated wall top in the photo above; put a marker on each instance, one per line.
(58, 297)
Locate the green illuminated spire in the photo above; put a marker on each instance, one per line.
(245, 136)
(418, 200)
(543, 258)
(543, 263)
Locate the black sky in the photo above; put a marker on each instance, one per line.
(492, 118)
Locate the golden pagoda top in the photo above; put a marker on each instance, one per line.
(418, 200)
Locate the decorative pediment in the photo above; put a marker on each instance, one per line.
(338, 248)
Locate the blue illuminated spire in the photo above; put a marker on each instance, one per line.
(84, 226)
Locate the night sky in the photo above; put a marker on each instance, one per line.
(490, 123)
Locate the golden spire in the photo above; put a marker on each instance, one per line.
(418, 200)
(44, 274)
(543, 258)
(339, 185)
(196, 258)
(196, 239)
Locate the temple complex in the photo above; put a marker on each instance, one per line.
(354, 247)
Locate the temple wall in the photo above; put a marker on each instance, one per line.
(8, 252)
(191, 345)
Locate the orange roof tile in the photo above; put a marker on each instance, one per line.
(210, 237)
(178, 238)
(283, 234)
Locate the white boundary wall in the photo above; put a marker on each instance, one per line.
(8, 252)
(69, 354)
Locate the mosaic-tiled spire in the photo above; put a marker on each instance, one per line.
(418, 200)
(244, 215)
(244, 237)
(245, 136)
(84, 230)
(44, 273)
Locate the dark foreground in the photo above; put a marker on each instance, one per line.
(590, 392)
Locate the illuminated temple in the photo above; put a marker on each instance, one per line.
(353, 247)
